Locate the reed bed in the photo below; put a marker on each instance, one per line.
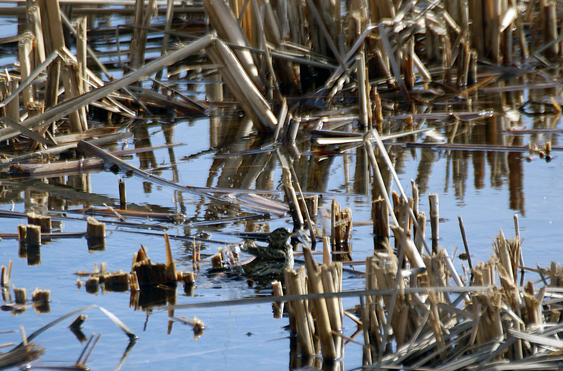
(391, 70)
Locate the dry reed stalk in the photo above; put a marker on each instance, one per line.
(70, 73)
(436, 273)
(509, 254)
(72, 105)
(27, 64)
(380, 218)
(434, 220)
(331, 276)
(420, 232)
(170, 263)
(142, 22)
(296, 286)
(244, 89)
(367, 348)
(52, 25)
(320, 309)
(436, 324)
(13, 108)
(555, 275)
(371, 316)
(81, 53)
(550, 24)
(292, 200)
(277, 307)
(52, 85)
(166, 37)
(408, 63)
(514, 301)
(23, 354)
(122, 195)
(224, 22)
(363, 91)
(34, 26)
(377, 108)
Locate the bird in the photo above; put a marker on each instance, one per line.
(271, 260)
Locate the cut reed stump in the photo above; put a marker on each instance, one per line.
(41, 299)
(96, 232)
(41, 220)
(149, 273)
(33, 235)
(322, 317)
(341, 230)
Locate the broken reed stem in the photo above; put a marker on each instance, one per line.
(434, 220)
(122, 195)
(5, 276)
(26, 58)
(341, 228)
(467, 254)
(292, 200)
(277, 290)
(380, 218)
(363, 90)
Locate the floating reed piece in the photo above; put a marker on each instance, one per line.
(93, 285)
(78, 322)
(341, 230)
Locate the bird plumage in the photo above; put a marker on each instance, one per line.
(270, 260)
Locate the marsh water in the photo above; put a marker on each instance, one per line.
(485, 187)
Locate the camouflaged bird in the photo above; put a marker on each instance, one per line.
(271, 260)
